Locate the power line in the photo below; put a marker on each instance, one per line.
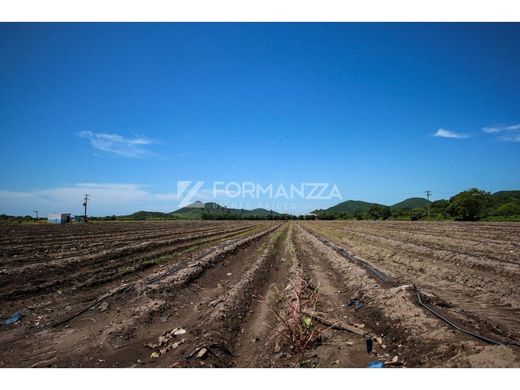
(428, 194)
(85, 202)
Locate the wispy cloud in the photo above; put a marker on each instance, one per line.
(490, 130)
(509, 133)
(498, 129)
(119, 145)
(443, 133)
(510, 137)
(106, 199)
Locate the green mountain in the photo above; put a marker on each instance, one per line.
(260, 212)
(502, 197)
(148, 215)
(351, 207)
(199, 210)
(195, 210)
(410, 204)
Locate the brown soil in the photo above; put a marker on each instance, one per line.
(207, 294)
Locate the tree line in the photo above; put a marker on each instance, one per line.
(471, 205)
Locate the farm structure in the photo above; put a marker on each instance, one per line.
(58, 218)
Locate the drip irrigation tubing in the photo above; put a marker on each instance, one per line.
(421, 303)
(436, 314)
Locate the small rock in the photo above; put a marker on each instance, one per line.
(202, 353)
(229, 274)
(278, 355)
(103, 307)
(178, 331)
(154, 355)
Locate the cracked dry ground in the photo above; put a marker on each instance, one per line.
(216, 293)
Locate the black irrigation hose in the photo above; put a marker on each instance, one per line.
(354, 259)
(345, 254)
(376, 273)
(485, 339)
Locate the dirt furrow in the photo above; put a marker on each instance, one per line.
(131, 308)
(424, 340)
(487, 300)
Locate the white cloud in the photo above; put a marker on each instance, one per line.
(443, 133)
(510, 138)
(106, 199)
(509, 133)
(119, 145)
(498, 129)
(490, 130)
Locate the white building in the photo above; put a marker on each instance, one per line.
(58, 218)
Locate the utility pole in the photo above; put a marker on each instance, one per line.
(428, 194)
(36, 212)
(85, 201)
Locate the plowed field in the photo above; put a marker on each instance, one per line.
(260, 294)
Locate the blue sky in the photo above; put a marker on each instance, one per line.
(125, 111)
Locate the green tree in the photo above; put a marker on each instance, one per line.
(439, 207)
(379, 212)
(359, 215)
(470, 205)
(507, 210)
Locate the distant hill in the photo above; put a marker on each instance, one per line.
(351, 207)
(146, 215)
(199, 210)
(502, 197)
(410, 204)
